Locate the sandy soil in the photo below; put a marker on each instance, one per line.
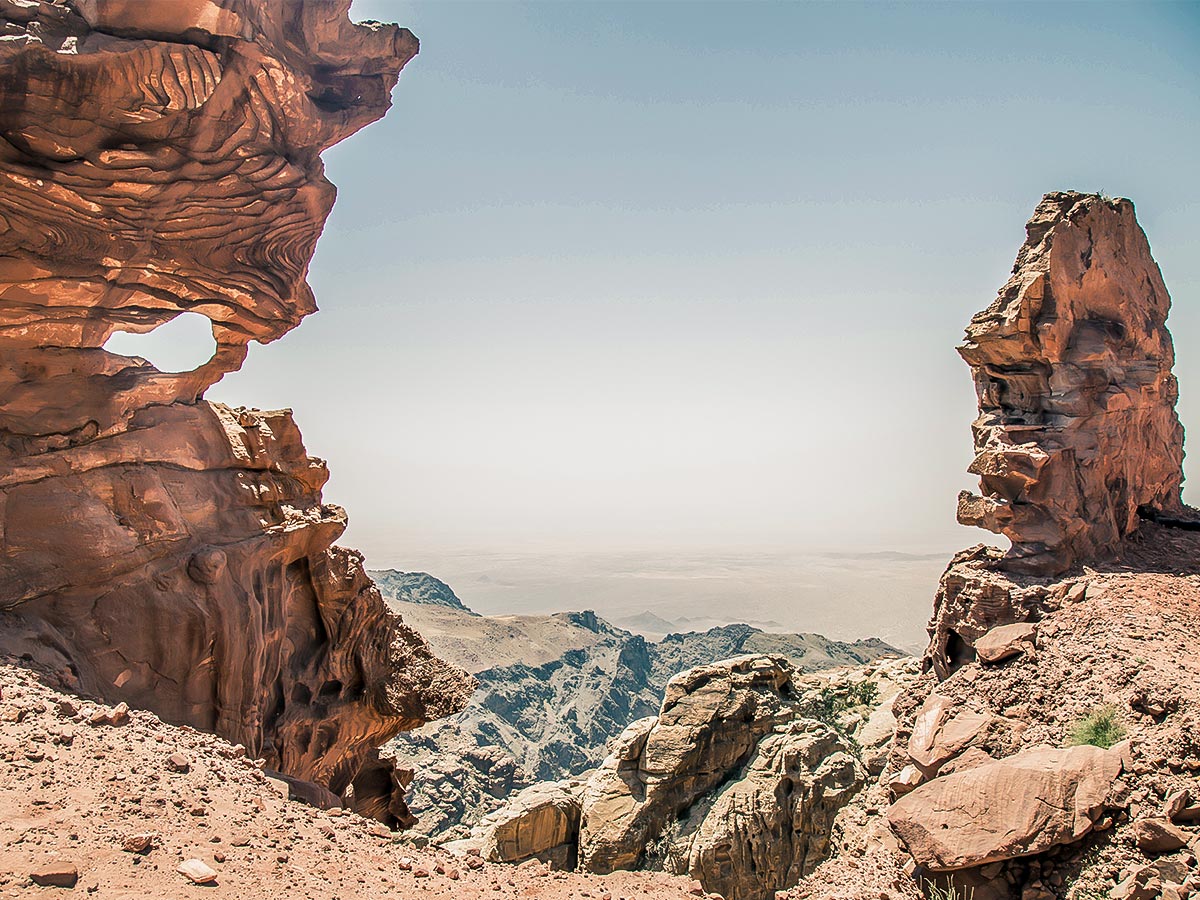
(73, 793)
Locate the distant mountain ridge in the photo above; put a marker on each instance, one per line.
(416, 587)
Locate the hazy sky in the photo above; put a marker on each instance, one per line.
(690, 275)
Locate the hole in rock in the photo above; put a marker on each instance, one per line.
(181, 345)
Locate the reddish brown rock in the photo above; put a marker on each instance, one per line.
(1077, 432)
(160, 157)
(1159, 836)
(1018, 806)
(1006, 641)
(55, 874)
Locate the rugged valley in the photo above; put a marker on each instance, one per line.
(1046, 747)
(554, 691)
(200, 691)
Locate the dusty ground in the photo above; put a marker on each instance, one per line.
(72, 793)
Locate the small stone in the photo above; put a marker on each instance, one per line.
(139, 843)
(219, 856)
(67, 709)
(404, 864)
(1176, 803)
(115, 716)
(55, 874)
(420, 872)
(177, 762)
(695, 888)
(197, 871)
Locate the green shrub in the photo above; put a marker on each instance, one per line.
(1102, 727)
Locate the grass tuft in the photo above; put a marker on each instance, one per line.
(1102, 727)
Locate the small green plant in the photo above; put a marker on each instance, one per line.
(1102, 727)
(865, 693)
(948, 891)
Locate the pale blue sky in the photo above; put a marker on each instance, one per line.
(689, 275)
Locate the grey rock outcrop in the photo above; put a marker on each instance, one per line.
(735, 782)
(416, 587)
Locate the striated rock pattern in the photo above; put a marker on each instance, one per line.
(155, 158)
(1077, 432)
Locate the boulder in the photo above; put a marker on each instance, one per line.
(541, 822)
(712, 718)
(770, 826)
(942, 730)
(1157, 835)
(1005, 641)
(1018, 806)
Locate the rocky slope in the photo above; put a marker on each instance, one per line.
(1050, 749)
(554, 690)
(156, 158)
(100, 802)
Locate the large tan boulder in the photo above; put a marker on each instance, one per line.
(540, 822)
(711, 720)
(769, 827)
(1018, 806)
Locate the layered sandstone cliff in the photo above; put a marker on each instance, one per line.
(1077, 439)
(1077, 433)
(156, 158)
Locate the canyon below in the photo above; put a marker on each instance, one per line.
(203, 694)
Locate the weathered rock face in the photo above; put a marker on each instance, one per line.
(529, 723)
(712, 718)
(771, 826)
(1077, 429)
(541, 822)
(1013, 807)
(159, 157)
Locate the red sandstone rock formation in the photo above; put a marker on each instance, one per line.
(155, 158)
(1077, 437)
(1077, 429)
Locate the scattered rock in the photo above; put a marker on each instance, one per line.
(1155, 836)
(178, 762)
(1005, 641)
(55, 874)
(197, 871)
(142, 842)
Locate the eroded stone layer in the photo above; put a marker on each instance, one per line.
(1077, 431)
(156, 157)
